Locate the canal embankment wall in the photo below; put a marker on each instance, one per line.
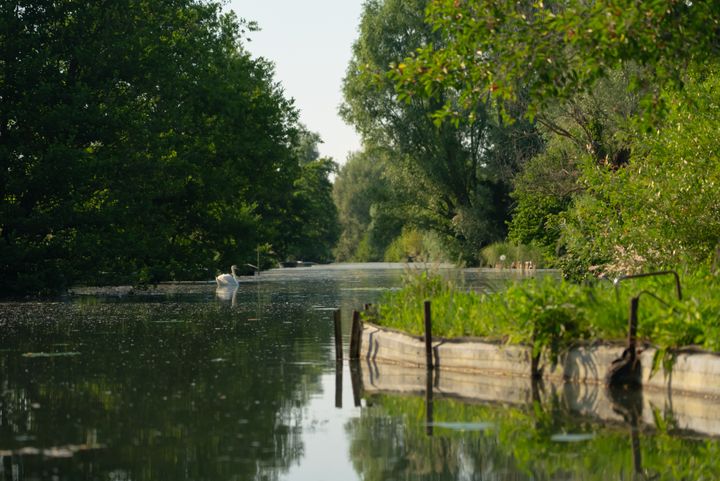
(693, 373)
(680, 412)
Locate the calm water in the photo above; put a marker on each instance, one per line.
(180, 384)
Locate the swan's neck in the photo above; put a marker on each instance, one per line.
(232, 269)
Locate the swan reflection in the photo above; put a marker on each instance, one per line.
(228, 293)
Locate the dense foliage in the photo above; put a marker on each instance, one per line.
(140, 142)
(582, 130)
(452, 179)
(368, 210)
(624, 94)
(543, 51)
(662, 209)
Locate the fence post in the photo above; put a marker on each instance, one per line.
(355, 335)
(338, 385)
(429, 419)
(338, 336)
(356, 380)
(428, 337)
(429, 373)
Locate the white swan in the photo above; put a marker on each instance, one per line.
(228, 280)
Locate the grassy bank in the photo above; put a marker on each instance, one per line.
(552, 314)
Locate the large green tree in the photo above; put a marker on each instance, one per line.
(139, 142)
(454, 175)
(606, 81)
(313, 229)
(369, 211)
(589, 128)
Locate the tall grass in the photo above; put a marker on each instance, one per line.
(552, 315)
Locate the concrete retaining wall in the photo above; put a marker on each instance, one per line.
(695, 373)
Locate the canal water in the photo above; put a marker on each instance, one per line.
(183, 383)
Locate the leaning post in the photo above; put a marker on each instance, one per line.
(355, 334)
(338, 336)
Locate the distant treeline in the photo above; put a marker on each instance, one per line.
(140, 142)
(583, 131)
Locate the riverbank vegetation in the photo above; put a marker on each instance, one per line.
(449, 181)
(552, 314)
(585, 131)
(140, 142)
(581, 136)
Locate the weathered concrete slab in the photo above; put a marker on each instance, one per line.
(691, 414)
(693, 373)
(587, 364)
(483, 357)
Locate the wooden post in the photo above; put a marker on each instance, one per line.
(534, 358)
(429, 420)
(632, 326)
(428, 337)
(356, 380)
(355, 335)
(338, 336)
(338, 384)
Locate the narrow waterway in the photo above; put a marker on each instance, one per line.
(183, 383)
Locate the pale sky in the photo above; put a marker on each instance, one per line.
(310, 42)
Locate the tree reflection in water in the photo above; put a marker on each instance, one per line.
(542, 440)
(160, 390)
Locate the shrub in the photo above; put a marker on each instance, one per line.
(513, 254)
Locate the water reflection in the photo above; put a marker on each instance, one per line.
(227, 294)
(475, 427)
(182, 382)
(177, 382)
(166, 390)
